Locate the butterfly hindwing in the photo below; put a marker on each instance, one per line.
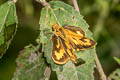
(59, 55)
(69, 50)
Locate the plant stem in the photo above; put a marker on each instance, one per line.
(47, 72)
(98, 65)
(99, 68)
(43, 2)
(14, 1)
(76, 5)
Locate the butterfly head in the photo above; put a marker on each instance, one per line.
(55, 27)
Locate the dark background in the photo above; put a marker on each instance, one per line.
(103, 17)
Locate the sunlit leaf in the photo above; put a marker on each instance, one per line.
(8, 25)
(64, 14)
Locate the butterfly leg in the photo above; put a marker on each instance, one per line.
(49, 39)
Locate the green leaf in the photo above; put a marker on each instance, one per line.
(30, 65)
(117, 60)
(115, 75)
(8, 25)
(64, 14)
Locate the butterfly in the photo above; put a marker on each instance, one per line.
(66, 40)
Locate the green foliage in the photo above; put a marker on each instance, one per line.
(63, 14)
(30, 65)
(117, 60)
(102, 15)
(8, 25)
(115, 75)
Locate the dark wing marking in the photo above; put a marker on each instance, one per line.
(76, 30)
(81, 43)
(69, 50)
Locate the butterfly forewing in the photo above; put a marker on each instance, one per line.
(83, 43)
(59, 55)
(75, 30)
(77, 39)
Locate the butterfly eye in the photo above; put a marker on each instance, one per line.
(52, 29)
(55, 27)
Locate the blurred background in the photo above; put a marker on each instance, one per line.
(103, 17)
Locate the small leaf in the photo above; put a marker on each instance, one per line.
(30, 65)
(8, 25)
(115, 75)
(117, 60)
(64, 14)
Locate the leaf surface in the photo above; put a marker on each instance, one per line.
(30, 65)
(117, 60)
(8, 25)
(64, 14)
(115, 75)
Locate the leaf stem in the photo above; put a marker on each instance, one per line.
(98, 65)
(76, 5)
(47, 72)
(14, 1)
(99, 68)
